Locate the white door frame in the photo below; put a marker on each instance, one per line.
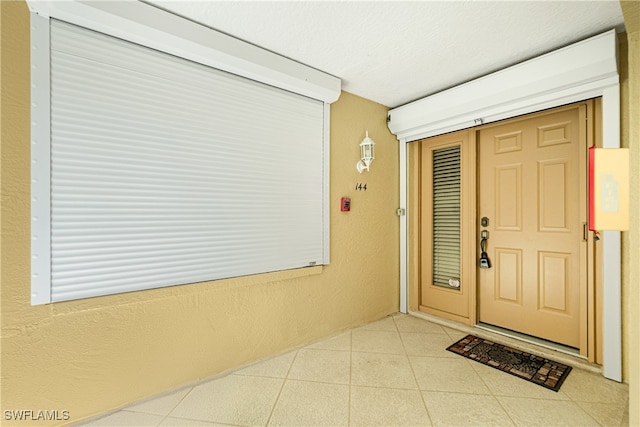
(584, 70)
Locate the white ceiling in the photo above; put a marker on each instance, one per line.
(394, 52)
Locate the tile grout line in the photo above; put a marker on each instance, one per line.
(127, 409)
(469, 362)
(588, 414)
(413, 372)
(284, 380)
(576, 403)
(176, 405)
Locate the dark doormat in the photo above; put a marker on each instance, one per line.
(532, 368)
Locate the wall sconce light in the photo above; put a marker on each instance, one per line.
(367, 153)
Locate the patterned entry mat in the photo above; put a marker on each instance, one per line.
(532, 368)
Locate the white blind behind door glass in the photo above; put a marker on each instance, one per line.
(167, 172)
(446, 215)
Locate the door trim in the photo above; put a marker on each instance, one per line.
(607, 87)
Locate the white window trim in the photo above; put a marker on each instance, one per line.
(157, 29)
(584, 70)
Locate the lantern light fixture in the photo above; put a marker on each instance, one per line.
(367, 153)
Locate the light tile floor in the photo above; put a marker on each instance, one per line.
(392, 372)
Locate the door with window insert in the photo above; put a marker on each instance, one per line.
(447, 243)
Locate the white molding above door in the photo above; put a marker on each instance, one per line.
(583, 70)
(574, 73)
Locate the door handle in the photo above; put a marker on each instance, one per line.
(484, 236)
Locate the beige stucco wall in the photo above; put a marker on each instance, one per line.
(97, 354)
(631, 240)
(93, 355)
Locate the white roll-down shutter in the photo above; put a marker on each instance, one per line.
(167, 172)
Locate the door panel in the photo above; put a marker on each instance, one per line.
(509, 197)
(530, 189)
(554, 281)
(553, 186)
(509, 275)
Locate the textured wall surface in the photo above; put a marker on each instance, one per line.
(93, 355)
(631, 243)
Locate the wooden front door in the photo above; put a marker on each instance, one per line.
(532, 190)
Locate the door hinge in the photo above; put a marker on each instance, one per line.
(401, 212)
